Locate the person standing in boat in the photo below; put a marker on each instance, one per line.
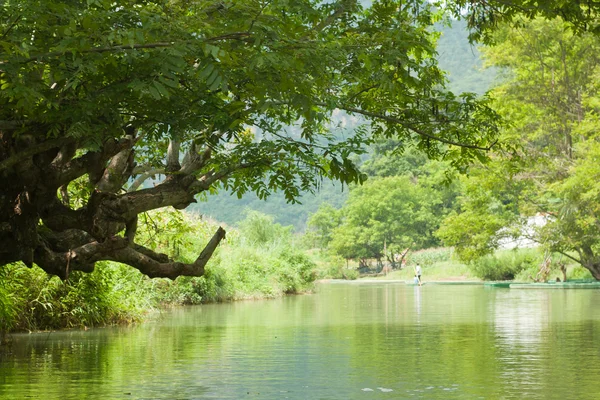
(418, 272)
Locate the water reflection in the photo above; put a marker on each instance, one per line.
(430, 342)
(417, 291)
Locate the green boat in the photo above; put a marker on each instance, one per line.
(454, 282)
(557, 285)
(500, 284)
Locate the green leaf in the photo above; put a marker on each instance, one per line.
(161, 89)
(154, 92)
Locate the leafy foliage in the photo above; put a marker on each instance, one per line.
(400, 207)
(506, 265)
(321, 225)
(109, 295)
(203, 96)
(484, 18)
(260, 230)
(550, 95)
(431, 256)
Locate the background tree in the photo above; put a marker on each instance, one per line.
(401, 205)
(551, 98)
(102, 95)
(484, 17)
(321, 225)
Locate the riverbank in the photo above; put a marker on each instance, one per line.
(520, 266)
(258, 260)
(30, 300)
(242, 268)
(433, 269)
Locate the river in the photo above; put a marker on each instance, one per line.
(346, 341)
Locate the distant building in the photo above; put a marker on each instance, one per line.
(524, 240)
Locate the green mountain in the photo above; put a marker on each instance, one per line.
(462, 61)
(229, 209)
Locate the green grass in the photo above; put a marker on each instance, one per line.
(33, 300)
(436, 264)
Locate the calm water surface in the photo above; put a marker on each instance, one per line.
(347, 341)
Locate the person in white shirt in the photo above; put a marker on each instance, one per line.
(418, 271)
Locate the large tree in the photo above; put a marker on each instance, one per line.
(98, 96)
(400, 206)
(551, 96)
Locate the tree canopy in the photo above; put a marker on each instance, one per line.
(98, 96)
(485, 17)
(550, 95)
(400, 206)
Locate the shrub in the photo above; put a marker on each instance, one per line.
(8, 310)
(296, 271)
(578, 272)
(260, 229)
(349, 274)
(110, 294)
(506, 265)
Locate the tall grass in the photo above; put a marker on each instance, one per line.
(259, 260)
(33, 300)
(429, 257)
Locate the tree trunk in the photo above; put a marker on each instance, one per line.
(36, 227)
(594, 268)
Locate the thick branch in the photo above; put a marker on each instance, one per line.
(577, 260)
(204, 182)
(66, 154)
(156, 266)
(173, 156)
(31, 151)
(115, 175)
(144, 177)
(178, 193)
(91, 163)
(81, 258)
(194, 162)
(60, 217)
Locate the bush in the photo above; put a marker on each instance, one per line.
(296, 271)
(181, 291)
(8, 310)
(578, 272)
(506, 265)
(339, 271)
(111, 294)
(350, 274)
(259, 229)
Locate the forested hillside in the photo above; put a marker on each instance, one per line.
(465, 71)
(462, 61)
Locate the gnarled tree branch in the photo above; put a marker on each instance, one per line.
(156, 265)
(31, 151)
